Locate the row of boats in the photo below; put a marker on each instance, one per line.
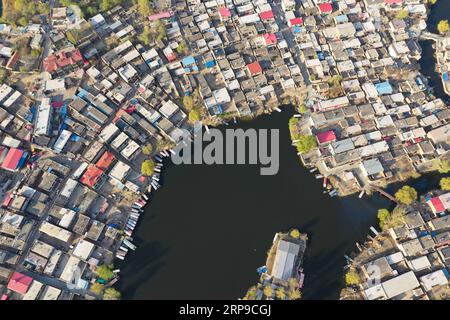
(138, 208)
(327, 186)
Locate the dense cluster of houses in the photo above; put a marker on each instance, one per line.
(415, 264)
(70, 158)
(375, 121)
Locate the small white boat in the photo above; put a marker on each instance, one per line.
(128, 232)
(278, 109)
(129, 244)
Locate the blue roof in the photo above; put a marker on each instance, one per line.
(341, 18)
(188, 61)
(445, 76)
(384, 88)
(210, 64)
(297, 29)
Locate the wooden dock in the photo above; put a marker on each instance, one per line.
(382, 192)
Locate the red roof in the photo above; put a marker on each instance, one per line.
(57, 104)
(4, 297)
(326, 136)
(254, 68)
(296, 21)
(393, 1)
(325, 7)
(7, 199)
(266, 15)
(161, 15)
(61, 59)
(171, 56)
(436, 204)
(270, 38)
(105, 161)
(12, 159)
(224, 12)
(13, 60)
(91, 176)
(19, 283)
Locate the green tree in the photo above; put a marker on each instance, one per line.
(443, 26)
(444, 166)
(65, 3)
(188, 102)
(194, 116)
(181, 47)
(268, 292)
(295, 233)
(251, 293)
(306, 143)
(147, 149)
(146, 36)
(73, 36)
(161, 29)
(105, 5)
(23, 21)
(148, 167)
(144, 7)
(406, 195)
(402, 14)
(280, 293)
(3, 75)
(445, 184)
(383, 215)
(352, 278)
(302, 108)
(335, 80)
(35, 53)
(295, 294)
(97, 288)
(43, 8)
(111, 294)
(105, 272)
(91, 11)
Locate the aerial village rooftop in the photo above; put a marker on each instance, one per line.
(100, 96)
(409, 260)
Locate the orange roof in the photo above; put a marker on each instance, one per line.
(91, 176)
(254, 68)
(105, 160)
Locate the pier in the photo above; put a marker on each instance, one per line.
(382, 192)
